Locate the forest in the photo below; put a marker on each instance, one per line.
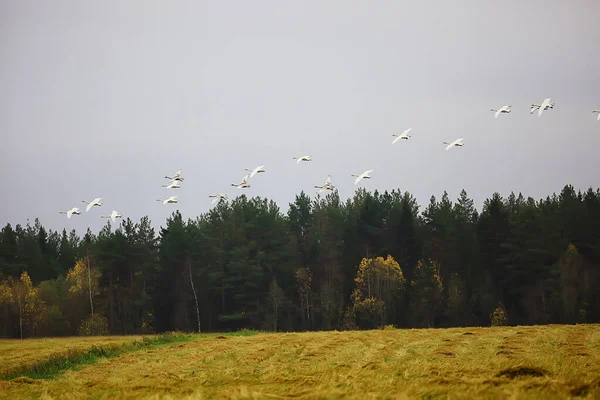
(376, 259)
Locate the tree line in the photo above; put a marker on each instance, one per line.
(370, 261)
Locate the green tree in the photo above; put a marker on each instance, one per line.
(426, 297)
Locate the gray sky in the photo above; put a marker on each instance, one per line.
(104, 98)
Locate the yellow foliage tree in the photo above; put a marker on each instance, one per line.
(379, 282)
(5, 293)
(83, 280)
(29, 306)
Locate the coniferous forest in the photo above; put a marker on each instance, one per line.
(374, 260)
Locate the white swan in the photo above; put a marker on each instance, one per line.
(218, 196)
(113, 215)
(303, 158)
(546, 104)
(172, 199)
(537, 107)
(243, 184)
(503, 109)
(364, 175)
(256, 170)
(403, 135)
(326, 186)
(173, 185)
(597, 111)
(176, 177)
(72, 211)
(96, 202)
(457, 142)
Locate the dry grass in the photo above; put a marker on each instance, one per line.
(538, 362)
(14, 353)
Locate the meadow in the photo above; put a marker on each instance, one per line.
(537, 362)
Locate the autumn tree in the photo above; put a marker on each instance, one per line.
(376, 298)
(25, 298)
(83, 280)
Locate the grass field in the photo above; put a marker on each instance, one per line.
(542, 362)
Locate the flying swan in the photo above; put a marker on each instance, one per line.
(326, 186)
(503, 109)
(172, 199)
(457, 142)
(303, 158)
(113, 215)
(218, 196)
(96, 202)
(403, 135)
(176, 177)
(364, 175)
(243, 184)
(541, 107)
(72, 211)
(255, 171)
(173, 185)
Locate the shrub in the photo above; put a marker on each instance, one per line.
(499, 317)
(96, 325)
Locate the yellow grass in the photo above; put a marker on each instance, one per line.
(540, 362)
(18, 352)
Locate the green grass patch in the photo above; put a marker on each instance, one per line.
(71, 359)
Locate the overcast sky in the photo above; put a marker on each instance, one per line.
(104, 98)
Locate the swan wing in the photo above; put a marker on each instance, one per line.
(396, 139)
(457, 142)
(497, 113)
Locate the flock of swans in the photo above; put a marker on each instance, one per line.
(177, 178)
